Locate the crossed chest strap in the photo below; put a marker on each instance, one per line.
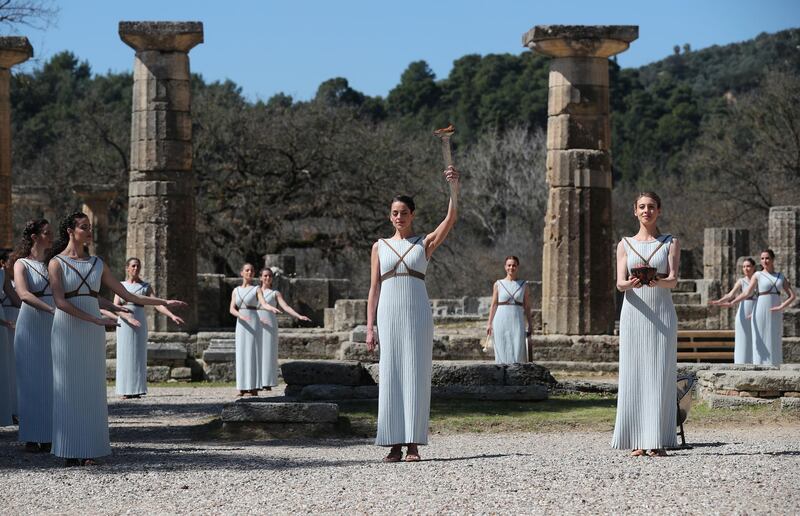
(241, 300)
(409, 271)
(646, 260)
(266, 297)
(84, 280)
(42, 292)
(773, 290)
(512, 299)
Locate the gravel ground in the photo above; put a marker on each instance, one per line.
(158, 467)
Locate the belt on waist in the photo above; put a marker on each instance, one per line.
(769, 293)
(134, 304)
(393, 274)
(41, 294)
(248, 307)
(74, 293)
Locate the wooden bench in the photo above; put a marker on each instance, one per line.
(706, 346)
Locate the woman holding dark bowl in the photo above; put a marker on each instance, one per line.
(647, 268)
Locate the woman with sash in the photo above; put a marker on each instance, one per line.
(399, 300)
(78, 345)
(269, 328)
(131, 376)
(647, 268)
(767, 320)
(507, 317)
(743, 349)
(246, 299)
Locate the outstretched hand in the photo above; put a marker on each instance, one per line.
(176, 303)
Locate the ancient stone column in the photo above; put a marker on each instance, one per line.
(784, 239)
(95, 199)
(722, 248)
(577, 267)
(161, 207)
(13, 50)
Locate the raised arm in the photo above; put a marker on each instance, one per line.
(21, 281)
(116, 287)
(435, 239)
(492, 310)
(289, 310)
(54, 272)
(374, 296)
(673, 259)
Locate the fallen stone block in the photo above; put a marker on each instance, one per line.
(111, 369)
(310, 372)
(357, 351)
(753, 381)
(365, 392)
(220, 371)
(528, 374)
(327, 392)
(790, 404)
(459, 373)
(166, 353)
(715, 401)
(267, 411)
(157, 373)
(490, 392)
(181, 373)
(587, 386)
(220, 350)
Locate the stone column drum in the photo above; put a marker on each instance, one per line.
(722, 248)
(13, 50)
(784, 239)
(161, 207)
(577, 267)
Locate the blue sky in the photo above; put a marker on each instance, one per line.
(292, 46)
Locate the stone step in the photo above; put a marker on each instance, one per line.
(685, 285)
(686, 298)
(266, 410)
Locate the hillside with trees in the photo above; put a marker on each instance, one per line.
(714, 130)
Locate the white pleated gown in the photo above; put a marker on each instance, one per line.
(131, 376)
(11, 313)
(6, 354)
(269, 340)
(767, 326)
(648, 340)
(508, 326)
(80, 408)
(743, 349)
(405, 333)
(35, 359)
(248, 340)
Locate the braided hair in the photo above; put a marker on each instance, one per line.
(63, 235)
(25, 244)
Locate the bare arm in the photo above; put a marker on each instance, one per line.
(623, 281)
(492, 310)
(673, 259)
(111, 282)
(288, 309)
(263, 303)
(435, 239)
(21, 280)
(744, 295)
(234, 311)
(54, 271)
(526, 305)
(163, 309)
(374, 295)
(787, 286)
(9, 290)
(730, 295)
